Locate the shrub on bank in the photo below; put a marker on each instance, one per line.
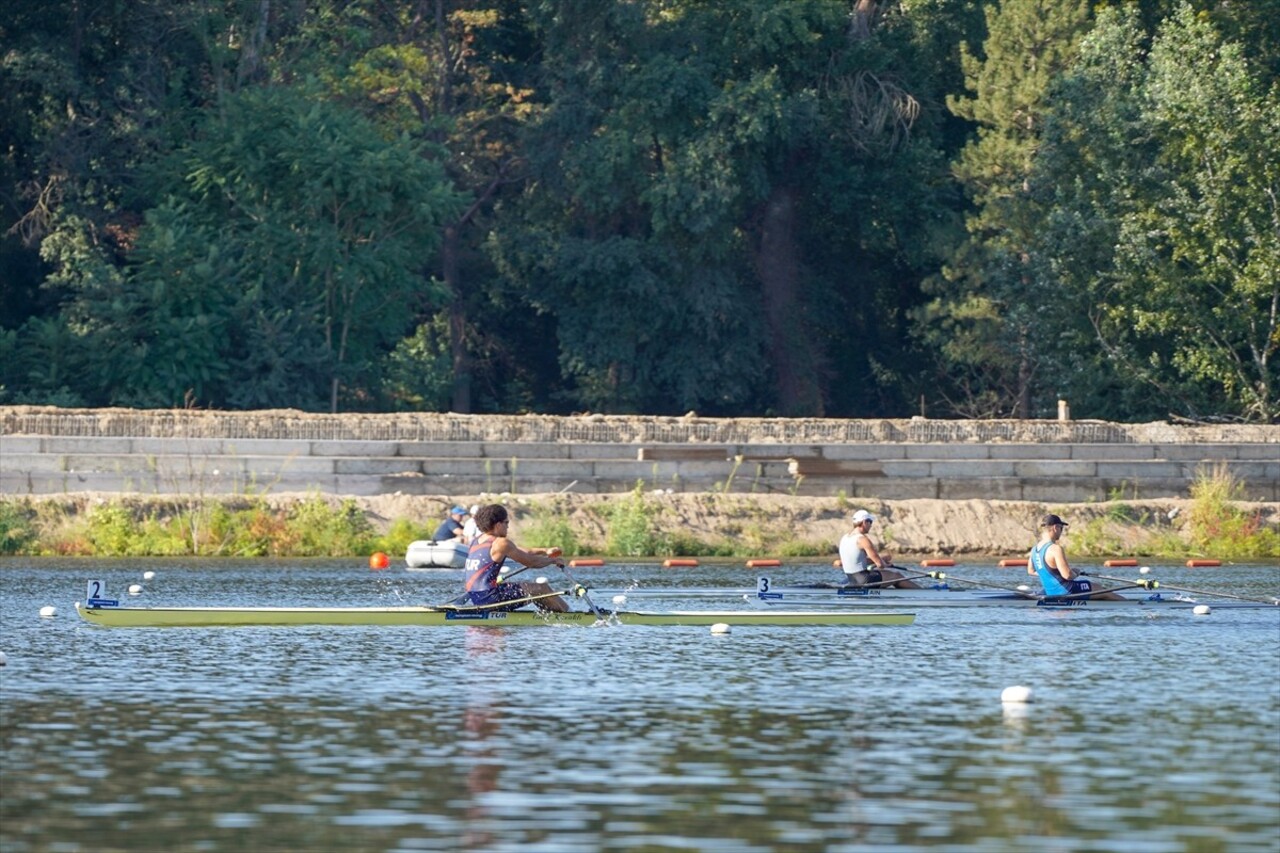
(636, 524)
(1216, 524)
(17, 532)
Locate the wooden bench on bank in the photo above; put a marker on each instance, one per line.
(701, 453)
(819, 467)
(684, 453)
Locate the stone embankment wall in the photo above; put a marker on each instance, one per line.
(52, 451)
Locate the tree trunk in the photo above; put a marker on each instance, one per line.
(1026, 374)
(795, 368)
(461, 361)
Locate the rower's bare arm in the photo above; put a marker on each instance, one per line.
(873, 555)
(1060, 564)
(534, 558)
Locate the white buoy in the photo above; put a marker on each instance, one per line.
(720, 628)
(48, 611)
(3, 660)
(135, 589)
(1144, 570)
(1201, 610)
(1016, 695)
(619, 599)
(146, 576)
(1022, 587)
(540, 579)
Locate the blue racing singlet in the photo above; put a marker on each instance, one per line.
(483, 587)
(482, 571)
(1050, 579)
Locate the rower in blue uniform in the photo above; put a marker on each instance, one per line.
(490, 552)
(1048, 560)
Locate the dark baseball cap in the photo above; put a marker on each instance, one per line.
(1050, 520)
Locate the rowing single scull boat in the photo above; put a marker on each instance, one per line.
(821, 594)
(158, 617)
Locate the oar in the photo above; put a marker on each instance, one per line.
(1154, 584)
(578, 589)
(944, 576)
(905, 577)
(1091, 593)
(581, 591)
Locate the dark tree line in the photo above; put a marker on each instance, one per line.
(842, 208)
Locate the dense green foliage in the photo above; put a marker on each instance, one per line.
(808, 207)
(1217, 524)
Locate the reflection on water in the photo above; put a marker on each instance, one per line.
(1151, 732)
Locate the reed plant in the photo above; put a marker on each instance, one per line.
(632, 529)
(401, 533)
(1218, 526)
(544, 528)
(17, 528)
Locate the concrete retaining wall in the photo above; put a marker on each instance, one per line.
(46, 452)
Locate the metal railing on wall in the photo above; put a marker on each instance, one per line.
(295, 425)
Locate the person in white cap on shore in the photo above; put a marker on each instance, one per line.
(470, 529)
(862, 563)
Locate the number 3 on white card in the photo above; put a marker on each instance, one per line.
(97, 589)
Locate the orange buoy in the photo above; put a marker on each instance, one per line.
(586, 562)
(763, 564)
(674, 564)
(1201, 564)
(378, 560)
(1118, 564)
(940, 563)
(1008, 564)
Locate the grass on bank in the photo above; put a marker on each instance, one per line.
(1214, 525)
(633, 525)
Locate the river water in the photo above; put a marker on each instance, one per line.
(1152, 731)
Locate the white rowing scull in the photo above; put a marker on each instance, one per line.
(940, 595)
(157, 617)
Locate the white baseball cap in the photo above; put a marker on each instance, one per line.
(475, 508)
(862, 515)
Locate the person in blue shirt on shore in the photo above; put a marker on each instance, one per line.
(451, 527)
(488, 556)
(1048, 560)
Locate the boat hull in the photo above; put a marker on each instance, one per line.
(968, 598)
(854, 597)
(163, 617)
(427, 554)
(824, 595)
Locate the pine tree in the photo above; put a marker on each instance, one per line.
(983, 313)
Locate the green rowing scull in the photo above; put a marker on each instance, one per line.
(160, 617)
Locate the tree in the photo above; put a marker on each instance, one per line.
(719, 204)
(984, 314)
(454, 73)
(278, 271)
(1182, 258)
